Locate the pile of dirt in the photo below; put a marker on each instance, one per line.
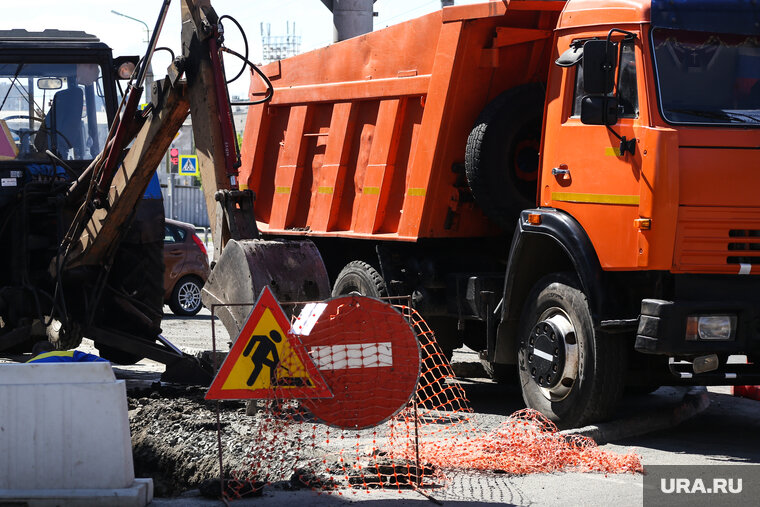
(175, 442)
(174, 437)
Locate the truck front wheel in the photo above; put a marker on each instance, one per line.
(568, 371)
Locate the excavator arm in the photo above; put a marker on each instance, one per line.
(113, 185)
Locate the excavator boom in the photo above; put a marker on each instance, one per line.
(195, 85)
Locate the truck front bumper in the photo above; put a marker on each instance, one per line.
(665, 328)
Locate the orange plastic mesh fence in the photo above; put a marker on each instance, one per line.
(432, 438)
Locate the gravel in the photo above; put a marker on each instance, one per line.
(174, 437)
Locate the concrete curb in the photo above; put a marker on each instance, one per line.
(695, 401)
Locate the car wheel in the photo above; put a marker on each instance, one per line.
(569, 371)
(186, 296)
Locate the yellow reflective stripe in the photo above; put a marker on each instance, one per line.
(371, 191)
(325, 190)
(420, 192)
(632, 200)
(281, 190)
(612, 152)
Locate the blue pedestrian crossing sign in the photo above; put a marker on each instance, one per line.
(188, 165)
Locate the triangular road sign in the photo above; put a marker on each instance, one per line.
(267, 361)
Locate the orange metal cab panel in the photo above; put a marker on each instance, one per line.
(366, 138)
(607, 192)
(696, 189)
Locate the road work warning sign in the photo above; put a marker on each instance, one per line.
(267, 361)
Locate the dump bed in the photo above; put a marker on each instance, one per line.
(366, 137)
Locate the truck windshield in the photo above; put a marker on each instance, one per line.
(57, 107)
(707, 78)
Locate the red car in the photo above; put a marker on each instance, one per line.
(185, 268)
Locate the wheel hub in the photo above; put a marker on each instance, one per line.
(189, 296)
(546, 354)
(552, 354)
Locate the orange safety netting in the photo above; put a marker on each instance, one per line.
(432, 436)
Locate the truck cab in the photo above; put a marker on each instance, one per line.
(59, 92)
(647, 217)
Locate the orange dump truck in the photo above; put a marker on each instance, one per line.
(569, 187)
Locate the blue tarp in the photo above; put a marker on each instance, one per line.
(154, 188)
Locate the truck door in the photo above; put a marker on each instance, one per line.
(583, 170)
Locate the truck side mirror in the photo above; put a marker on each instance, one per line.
(593, 110)
(599, 63)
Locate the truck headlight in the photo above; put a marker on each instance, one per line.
(710, 327)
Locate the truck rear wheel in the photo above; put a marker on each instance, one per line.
(501, 158)
(359, 278)
(568, 371)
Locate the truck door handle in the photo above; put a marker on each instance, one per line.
(562, 172)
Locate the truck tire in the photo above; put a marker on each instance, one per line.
(186, 296)
(359, 278)
(501, 157)
(582, 378)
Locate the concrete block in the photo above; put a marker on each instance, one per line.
(63, 426)
(139, 494)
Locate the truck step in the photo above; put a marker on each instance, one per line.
(730, 374)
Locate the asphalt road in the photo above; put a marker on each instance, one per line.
(726, 433)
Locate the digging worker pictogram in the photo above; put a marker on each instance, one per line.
(260, 357)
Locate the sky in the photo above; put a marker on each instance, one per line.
(313, 22)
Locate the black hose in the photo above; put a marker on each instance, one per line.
(245, 45)
(270, 88)
(164, 48)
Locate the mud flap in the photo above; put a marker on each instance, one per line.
(293, 270)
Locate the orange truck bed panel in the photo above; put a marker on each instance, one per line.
(366, 137)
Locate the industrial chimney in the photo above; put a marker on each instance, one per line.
(350, 17)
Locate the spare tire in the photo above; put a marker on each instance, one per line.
(501, 158)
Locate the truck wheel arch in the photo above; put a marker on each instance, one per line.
(558, 244)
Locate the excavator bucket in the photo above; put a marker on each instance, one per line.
(293, 270)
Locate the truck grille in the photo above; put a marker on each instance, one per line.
(746, 241)
(717, 240)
